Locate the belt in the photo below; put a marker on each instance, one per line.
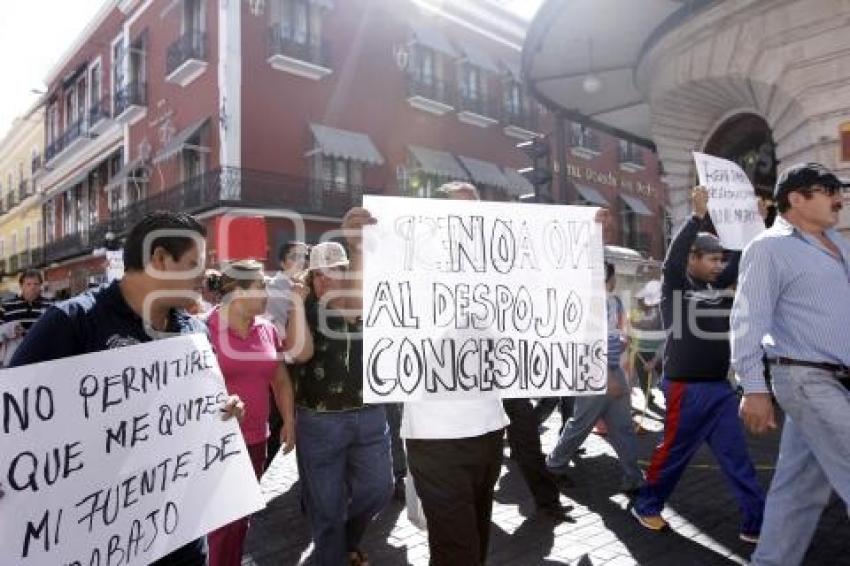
(840, 371)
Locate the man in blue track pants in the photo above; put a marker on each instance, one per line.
(701, 404)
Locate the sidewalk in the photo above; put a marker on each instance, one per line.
(702, 513)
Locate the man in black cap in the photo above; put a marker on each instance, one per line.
(701, 403)
(793, 305)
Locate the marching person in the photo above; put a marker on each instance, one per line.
(701, 403)
(793, 303)
(17, 315)
(292, 259)
(248, 348)
(647, 343)
(344, 457)
(117, 315)
(614, 408)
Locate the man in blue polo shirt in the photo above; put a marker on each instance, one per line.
(163, 274)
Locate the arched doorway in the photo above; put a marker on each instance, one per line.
(747, 139)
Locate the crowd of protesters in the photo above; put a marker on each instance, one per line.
(776, 313)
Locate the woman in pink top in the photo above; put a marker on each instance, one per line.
(248, 349)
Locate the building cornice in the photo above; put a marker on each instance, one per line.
(104, 12)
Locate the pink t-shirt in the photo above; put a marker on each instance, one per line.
(248, 378)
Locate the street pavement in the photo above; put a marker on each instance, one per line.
(702, 513)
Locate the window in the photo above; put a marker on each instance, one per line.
(80, 208)
(14, 243)
(118, 71)
(114, 197)
(513, 98)
(52, 122)
(28, 238)
(50, 221)
(298, 23)
(471, 82)
(94, 92)
(68, 213)
(192, 17)
(341, 174)
(137, 188)
(82, 92)
(92, 202)
(584, 137)
(137, 60)
(70, 108)
(630, 153)
(424, 65)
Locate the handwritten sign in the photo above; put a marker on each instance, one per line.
(465, 299)
(118, 457)
(732, 203)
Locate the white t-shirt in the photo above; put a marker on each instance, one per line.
(453, 419)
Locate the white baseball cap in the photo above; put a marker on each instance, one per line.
(326, 255)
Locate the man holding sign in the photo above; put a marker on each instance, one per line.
(701, 404)
(164, 259)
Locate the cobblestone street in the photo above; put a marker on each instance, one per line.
(702, 513)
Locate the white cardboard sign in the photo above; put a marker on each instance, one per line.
(119, 456)
(732, 201)
(464, 299)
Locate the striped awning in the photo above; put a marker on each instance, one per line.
(478, 57)
(592, 195)
(519, 185)
(180, 142)
(638, 206)
(438, 163)
(344, 144)
(485, 173)
(432, 38)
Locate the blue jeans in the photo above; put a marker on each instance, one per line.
(814, 459)
(346, 476)
(617, 414)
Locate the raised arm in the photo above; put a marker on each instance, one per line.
(676, 263)
(352, 229)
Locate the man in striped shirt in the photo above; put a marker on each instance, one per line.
(19, 314)
(793, 305)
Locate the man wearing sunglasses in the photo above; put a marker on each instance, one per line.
(793, 305)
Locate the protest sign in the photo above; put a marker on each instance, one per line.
(118, 457)
(464, 299)
(732, 201)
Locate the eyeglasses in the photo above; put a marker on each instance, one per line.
(829, 191)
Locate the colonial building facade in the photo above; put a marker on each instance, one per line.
(262, 107)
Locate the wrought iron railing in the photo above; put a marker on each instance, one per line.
(99, 111)
(429, 87)
(131, 94)
(190, 45)
(481, 104)
(519, 117)
(218, 188)
(630, 154)
(283, 40)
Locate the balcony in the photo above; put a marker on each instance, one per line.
(186, 59)
(585, 144)
(305, 58)
(476, 110)
(131, 102)
(218, 188)
(99, 115)
(24, 190)
(519, 123)
(631, 157)
(429, 94)
(72, 135)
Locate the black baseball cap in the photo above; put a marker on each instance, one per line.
(804, 175)
(707, 243)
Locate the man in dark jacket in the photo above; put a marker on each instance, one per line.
(701, 404)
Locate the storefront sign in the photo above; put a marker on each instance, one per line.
(610, 179)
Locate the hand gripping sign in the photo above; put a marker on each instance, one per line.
(464, 299)
(118, 457)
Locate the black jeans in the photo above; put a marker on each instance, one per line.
(455, 479)
(394, 414)
(544, 407)
(275, 424)
(527, 452)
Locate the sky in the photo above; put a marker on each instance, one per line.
(35, 33)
